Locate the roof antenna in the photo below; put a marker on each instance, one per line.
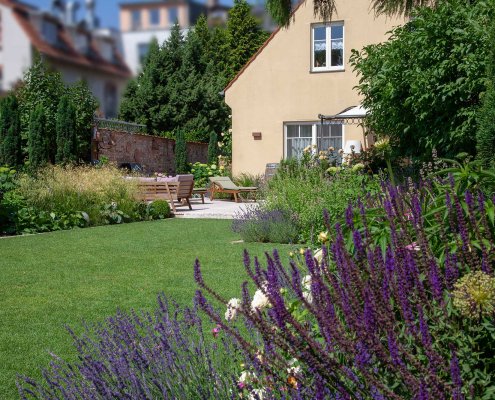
(91, 20)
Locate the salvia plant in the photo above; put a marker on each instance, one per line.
(395, 319)
(162, 355)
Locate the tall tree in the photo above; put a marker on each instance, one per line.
(85, 105)
(40, 87)
(38, 145)
(213, 149)
(10, 132)
(180, 153)
(245, 36)
(66, 131)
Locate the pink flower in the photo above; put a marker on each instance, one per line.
(409, 216)
(413, 247)
(216, 330)
(241, 385)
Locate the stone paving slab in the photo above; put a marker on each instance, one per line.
(219, 209)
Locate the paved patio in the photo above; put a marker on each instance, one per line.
(219, 209)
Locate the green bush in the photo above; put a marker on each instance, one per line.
(202, 172)
(303, 189)
(159, 209)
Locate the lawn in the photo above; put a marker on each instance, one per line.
(64, 278)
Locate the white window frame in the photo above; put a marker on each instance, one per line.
(314, 133)
(328, 40)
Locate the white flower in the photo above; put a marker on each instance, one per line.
(308, 296)
(256, 394)
(318, 255)
(260, 301)
(306, 282)
(293, 369)
(233, 306)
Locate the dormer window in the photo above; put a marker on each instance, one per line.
(49, 31)
(327, 47)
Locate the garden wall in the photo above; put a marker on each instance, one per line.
(155, 154)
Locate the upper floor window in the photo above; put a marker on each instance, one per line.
(173, 15)
(136, 19)
(327, 47)
(110, 100)
(50, 32)
(154, 17)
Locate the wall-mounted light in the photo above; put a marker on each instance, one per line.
(257, 135)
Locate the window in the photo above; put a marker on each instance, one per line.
(49, 31)
(136, 19)
(173, 15)
(143, 49)
(299, 135)
(110, 100)
(327, 47)
(154, 17)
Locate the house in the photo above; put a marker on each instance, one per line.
(145, 20)
(78, 50)
(299, 73)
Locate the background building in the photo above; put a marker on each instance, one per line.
(78, 49)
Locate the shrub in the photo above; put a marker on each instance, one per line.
(164, 354)
(303, 190)
(159, 209)
(66, 131)
(10, 132)
(391, 322)
(213, 148)
(249, 180)
(202, 172)
(38, 143)
(66, 190)
(257, 225)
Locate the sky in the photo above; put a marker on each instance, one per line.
(106, 10)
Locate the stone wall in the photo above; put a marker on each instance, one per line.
(155, 154)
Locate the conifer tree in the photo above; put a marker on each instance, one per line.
(244, 34)
(10, 132)
(213, 149)
(38, 146)
(66, 131)
(180, 152)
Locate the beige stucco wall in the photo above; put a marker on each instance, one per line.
(126, 16)
(278, 87)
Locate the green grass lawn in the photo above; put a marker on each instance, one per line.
(64, 278)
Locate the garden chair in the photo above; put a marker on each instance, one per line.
(223, 184)
(180, 190)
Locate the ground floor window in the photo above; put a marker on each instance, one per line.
(299, 135)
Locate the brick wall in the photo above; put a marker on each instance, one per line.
(155, 154)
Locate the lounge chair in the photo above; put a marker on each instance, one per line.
(223, 184)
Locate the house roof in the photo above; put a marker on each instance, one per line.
(65, 50)
(255, 55)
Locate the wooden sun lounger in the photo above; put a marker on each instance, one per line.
(223, 184)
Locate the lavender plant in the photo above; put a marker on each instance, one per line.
(165, 355)
(256, 224)
(389, 320)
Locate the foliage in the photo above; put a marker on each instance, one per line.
(373, 321)
(10, 132)
(182, 80)
(303, 189)
(71, 190)
(66, 131)
(38, 90)
(38, 139)
(180, 153)
(422, 87)
(254, 224)
(159, 209)
(245, 36)
(249, 180)
(163, 354)
(202, 173)
(213, 148)
(85, 105)
(39, 87)
(31, 220)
